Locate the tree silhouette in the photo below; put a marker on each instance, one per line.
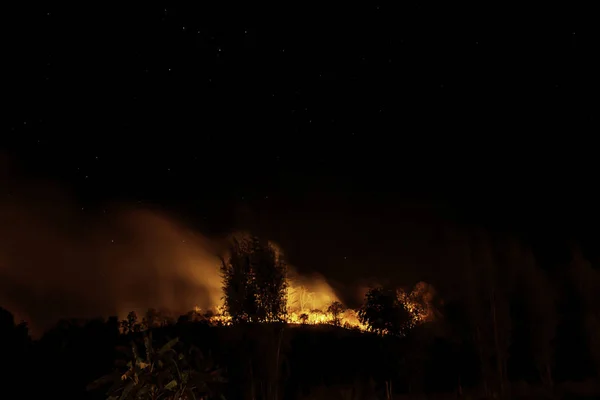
(269, 272)
(336, 309)
(7, 320)
(304, 318)
(585, 281)
(130, 324)
(541, 310)
(14, 344)
(254, 281)
(152, 319)
(238, 289)
(384, 313)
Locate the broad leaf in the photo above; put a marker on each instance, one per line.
(168, 346)
(171, 385)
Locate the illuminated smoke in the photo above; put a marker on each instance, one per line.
(309, 299)
(59, 260)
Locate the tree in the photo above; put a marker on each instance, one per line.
(586, 280)
(543, 317)
(254, 281)
(14, 344)
(336, 309)
(487, 289)
(384, 313)
(130, 324)
(269, 271)
(152, 319)
(238, 288)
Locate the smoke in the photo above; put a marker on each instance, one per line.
(309, 292)
(58, 260)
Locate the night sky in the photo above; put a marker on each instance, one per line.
(353, 137)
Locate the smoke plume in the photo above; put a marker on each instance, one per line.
(57, 260)
(60, 260)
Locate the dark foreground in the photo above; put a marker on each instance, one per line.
(269, 361)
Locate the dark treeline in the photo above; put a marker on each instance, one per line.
(506, 326)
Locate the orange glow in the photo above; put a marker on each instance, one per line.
(308, 301)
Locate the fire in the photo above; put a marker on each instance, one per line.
(312, 301)
(419, 302)
(309, 301)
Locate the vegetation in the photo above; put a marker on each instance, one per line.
(171, 372)
(336, 309)
(504, 330)
(254, 281)
(384, 312)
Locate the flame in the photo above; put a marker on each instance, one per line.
(134, 257)
(308, 302)
(308, 298)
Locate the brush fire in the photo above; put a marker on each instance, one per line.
(314, 303)
(252, 269)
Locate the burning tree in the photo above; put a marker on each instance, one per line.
(254, 281)
(384, 313)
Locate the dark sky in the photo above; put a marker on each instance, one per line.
(351, 136)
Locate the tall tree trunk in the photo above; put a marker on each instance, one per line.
(499, 351)
(388, 390)
(482, 361)
(276, 383)
(252, 389)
